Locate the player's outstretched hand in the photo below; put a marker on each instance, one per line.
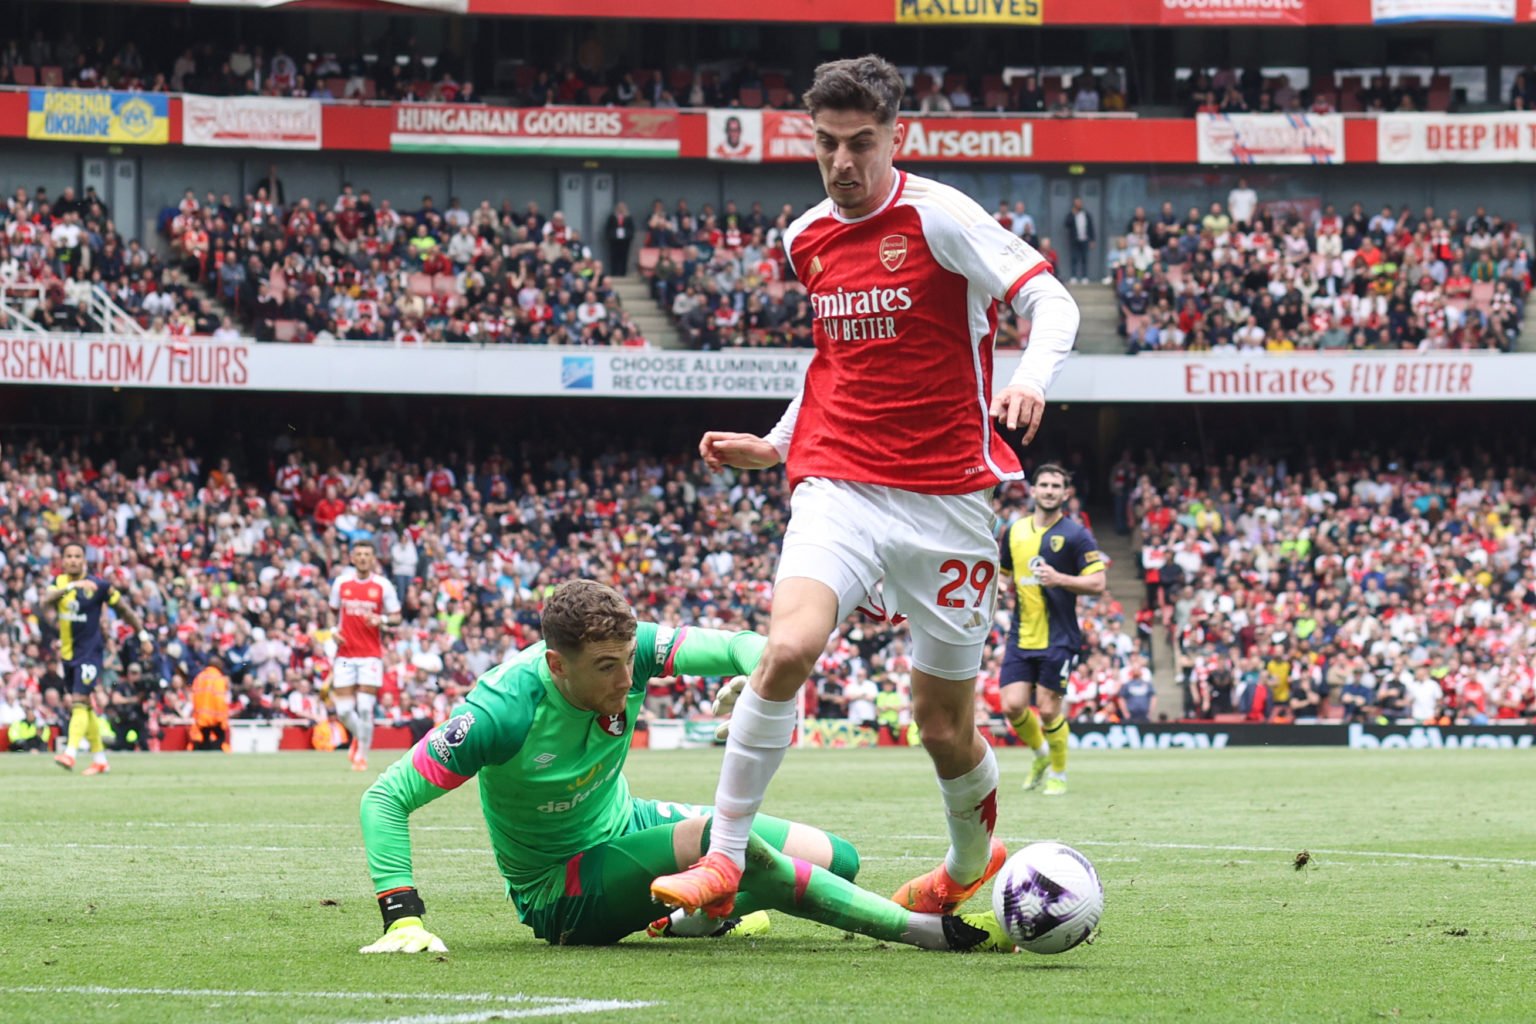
(1019, 406)
(407, 936)
(737, 450)
(725, 702)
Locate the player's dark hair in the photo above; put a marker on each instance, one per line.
(869, 83)
(1048, 469)
(363, 544)
(72, 544)
(581, 612)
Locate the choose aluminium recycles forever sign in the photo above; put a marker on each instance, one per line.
(569, 131)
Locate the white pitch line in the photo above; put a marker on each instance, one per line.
(243, 825)
(1221, 848)
(572, 1008)
(204, 847)
(220, 993)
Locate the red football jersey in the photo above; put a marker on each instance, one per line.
(355, 597)
(905, 315)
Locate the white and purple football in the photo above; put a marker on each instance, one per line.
(1048, 898)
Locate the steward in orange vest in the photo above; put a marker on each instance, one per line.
(210, 708)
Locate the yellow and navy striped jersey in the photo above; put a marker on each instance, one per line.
(80, 637)
(1046, 617)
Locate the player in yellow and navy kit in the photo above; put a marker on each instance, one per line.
(1052, 559)
(82, 648)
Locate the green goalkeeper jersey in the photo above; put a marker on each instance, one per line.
(551, 775)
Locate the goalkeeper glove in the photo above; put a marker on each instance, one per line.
(403, 930)
(725, 701)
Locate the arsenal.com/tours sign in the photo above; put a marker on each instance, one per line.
(202, 363)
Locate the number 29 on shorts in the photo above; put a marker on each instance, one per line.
(958, 575)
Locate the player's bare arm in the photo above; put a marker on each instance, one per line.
(1091, 584)
(720, 448)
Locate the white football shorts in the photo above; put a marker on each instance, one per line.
(348, 673)
(930, 559)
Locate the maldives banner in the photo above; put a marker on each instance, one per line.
(1504, 138)
(1269, 138)
(969, 12)
(1234, 12)
(1386, 12)
(250, 122)
(563, 131)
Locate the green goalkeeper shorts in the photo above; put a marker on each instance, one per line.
(608, 888)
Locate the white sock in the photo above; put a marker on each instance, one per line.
(1043, 750)
(697, 925)
(761, 731)
(100, 757)
(971, 803)
(365, 705)
(346, 713)
(926, 931)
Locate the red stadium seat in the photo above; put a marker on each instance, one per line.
(780, 97)
(445, 284)
(750, 98)
(285, 330)
(1349, 94)
(419, 284)
(24, 74)
(53, 76)
(648, 258)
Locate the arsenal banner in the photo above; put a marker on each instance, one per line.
(1270, 138)
(252, 122)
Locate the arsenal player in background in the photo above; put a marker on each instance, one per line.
(364, 601)
(893, 456)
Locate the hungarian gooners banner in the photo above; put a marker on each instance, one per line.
(567, 131)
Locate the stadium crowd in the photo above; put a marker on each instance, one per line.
(1237, 278)
(1370, 587)
(314, 269)
(231, 567)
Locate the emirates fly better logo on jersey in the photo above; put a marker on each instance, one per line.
(858, 315)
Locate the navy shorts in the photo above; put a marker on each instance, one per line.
(1048, 668)
(82, 676)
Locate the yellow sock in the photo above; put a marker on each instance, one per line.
(79, 720)
(1027, 725)
(1056, 734)
(93, 732)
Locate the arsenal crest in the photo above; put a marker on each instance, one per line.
(614, 725)
(893, 251)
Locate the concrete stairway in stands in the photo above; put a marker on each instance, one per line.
(635, 294)
(1096, 335)
(1128, 589)
(1526, 342)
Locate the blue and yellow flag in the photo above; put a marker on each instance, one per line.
(92, 115)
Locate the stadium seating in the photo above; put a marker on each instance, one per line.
(1331, 282)
(1359, 589)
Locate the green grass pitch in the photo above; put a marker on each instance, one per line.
(214, 888)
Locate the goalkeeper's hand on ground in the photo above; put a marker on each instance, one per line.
(725, 702)
(403, 930)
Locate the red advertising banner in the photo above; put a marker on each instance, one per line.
(786, 137)
(1117, 13)
(1236, 12)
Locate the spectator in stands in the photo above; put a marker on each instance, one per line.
(1079, 228)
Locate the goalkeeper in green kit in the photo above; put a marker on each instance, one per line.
(547, 733)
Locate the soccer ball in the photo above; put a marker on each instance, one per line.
(1048, 898)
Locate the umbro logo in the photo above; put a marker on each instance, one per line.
(544, 761)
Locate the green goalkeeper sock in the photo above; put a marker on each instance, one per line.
(801, 889)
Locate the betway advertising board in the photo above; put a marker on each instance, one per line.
(200, 363)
